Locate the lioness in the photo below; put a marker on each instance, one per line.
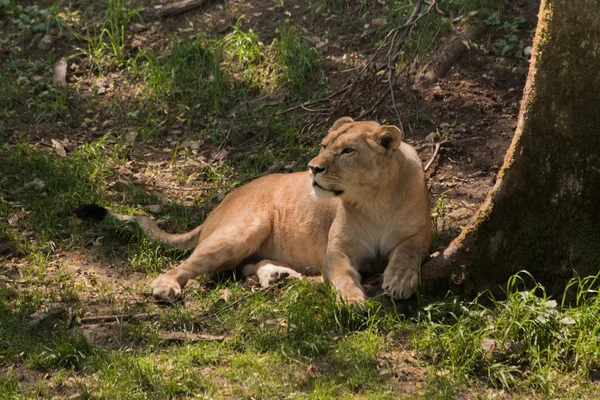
(362, 205)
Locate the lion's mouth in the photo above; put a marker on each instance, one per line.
(335, 192)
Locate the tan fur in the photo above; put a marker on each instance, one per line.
(370, 212)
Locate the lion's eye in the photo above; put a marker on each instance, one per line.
(348, 150)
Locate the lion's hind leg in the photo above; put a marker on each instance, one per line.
(223, 249)
(270, 272)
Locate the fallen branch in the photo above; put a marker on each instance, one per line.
(447, 55)
(112, 318)
(448, 143)
(21, 282)
(436, 151)
(171, 10)
(190, 337)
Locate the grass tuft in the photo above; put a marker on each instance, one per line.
(527, 337)
(297, 57)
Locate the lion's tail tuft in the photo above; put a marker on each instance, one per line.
(91, 212)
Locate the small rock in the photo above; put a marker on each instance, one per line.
(36, 183)
(59, 78)
(431, 137)
(154, 208)
(35, 40)
(137, 27)
(527, 51)
(221, 155)
(497, 350)
(130, 138)
(313, 39)
(191, 144)
(379, 21)
(108, 123)
(13, 220)
(277, 167)
(46, 42)
(461, 213)
(220, 196)
(59, 148)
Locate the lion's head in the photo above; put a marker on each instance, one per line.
(355, 159)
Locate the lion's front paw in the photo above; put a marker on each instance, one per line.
(353, 296)
(166, 288)
(400, 283)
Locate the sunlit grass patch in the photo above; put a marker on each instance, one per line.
(107, 45)
(527, 339)
(190, 74)
(297, 57)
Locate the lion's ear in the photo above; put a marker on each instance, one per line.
(388, 136)
(340, 122)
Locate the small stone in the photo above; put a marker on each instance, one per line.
(313, 39)
(137, 27)
(13, 220)
(220, 196)
(154, 208)
(36, 183)
(130, 138)
(277, 167)
(431, 137)
(191, 144)
(46, 42)
(379, 21)
(108, 123)
(59, 77)
(461, 213)
(221, 155)
(527, 51)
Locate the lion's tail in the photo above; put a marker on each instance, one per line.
(187, 240)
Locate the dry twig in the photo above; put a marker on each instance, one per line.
(112, 318)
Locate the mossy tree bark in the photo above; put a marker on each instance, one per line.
(543, 214)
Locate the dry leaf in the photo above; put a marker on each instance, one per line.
(60, 149)
(224, 294)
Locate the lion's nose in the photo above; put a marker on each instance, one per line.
(316, 170)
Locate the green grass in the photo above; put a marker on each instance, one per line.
(189, 76)
(107, 45)
(297, 57)
(293, 341)
(541, 343)
(295, 328)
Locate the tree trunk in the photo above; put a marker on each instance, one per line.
(543, 214)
